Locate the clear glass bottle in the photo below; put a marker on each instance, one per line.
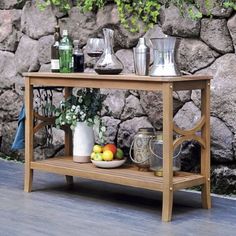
(78, 57)
(108, 62)
(55, 66)
(65, 52)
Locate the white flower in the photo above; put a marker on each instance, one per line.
(77, 109)
(83, 117)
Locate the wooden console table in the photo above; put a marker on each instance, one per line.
(129, 176)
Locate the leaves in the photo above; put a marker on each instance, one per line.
(230, 4)
(84, 106)
(133, 12)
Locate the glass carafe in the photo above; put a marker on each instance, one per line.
(164, 57)
(108, 62)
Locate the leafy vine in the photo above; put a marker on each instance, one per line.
(132, 11)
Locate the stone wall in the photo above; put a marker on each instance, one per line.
(206, 46)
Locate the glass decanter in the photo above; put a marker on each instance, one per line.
(108, 62)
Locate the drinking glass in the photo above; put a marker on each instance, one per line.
(95, 47)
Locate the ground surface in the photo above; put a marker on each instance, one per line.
(97, 209)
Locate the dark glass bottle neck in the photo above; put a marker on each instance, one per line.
(56, 36)
(76, 49)
(57, 29)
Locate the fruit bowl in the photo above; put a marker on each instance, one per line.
(109, 164)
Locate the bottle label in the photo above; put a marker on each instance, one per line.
(55, 64)
(65, 47)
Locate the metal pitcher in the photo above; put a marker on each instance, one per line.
(164, 57)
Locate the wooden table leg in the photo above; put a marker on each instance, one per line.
(167, 197)
(205, 152)
(68, 140)
(28, 135)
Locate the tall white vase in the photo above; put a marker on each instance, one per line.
(83, 142)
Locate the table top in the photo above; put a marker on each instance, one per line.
(120, 77)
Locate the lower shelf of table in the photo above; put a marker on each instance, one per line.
(126, 175)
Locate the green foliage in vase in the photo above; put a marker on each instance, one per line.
(84, 106)
(131, 12)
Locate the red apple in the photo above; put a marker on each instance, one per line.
(111, 147)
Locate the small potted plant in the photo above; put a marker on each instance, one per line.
(82, 112)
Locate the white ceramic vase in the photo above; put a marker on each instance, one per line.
(83, 142)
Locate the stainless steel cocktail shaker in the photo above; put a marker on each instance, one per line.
(141, 58)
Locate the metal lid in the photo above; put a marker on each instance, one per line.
(142, 47)
(65, 33)
(146, 130)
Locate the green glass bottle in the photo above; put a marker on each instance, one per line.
(65, 53)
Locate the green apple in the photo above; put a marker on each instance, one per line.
(98, 157)
(119, 154)
(92, 156)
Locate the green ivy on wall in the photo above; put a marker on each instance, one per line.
(230, 4)
(132, 11)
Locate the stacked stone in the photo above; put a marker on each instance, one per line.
(207, 46)
(26, 35)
